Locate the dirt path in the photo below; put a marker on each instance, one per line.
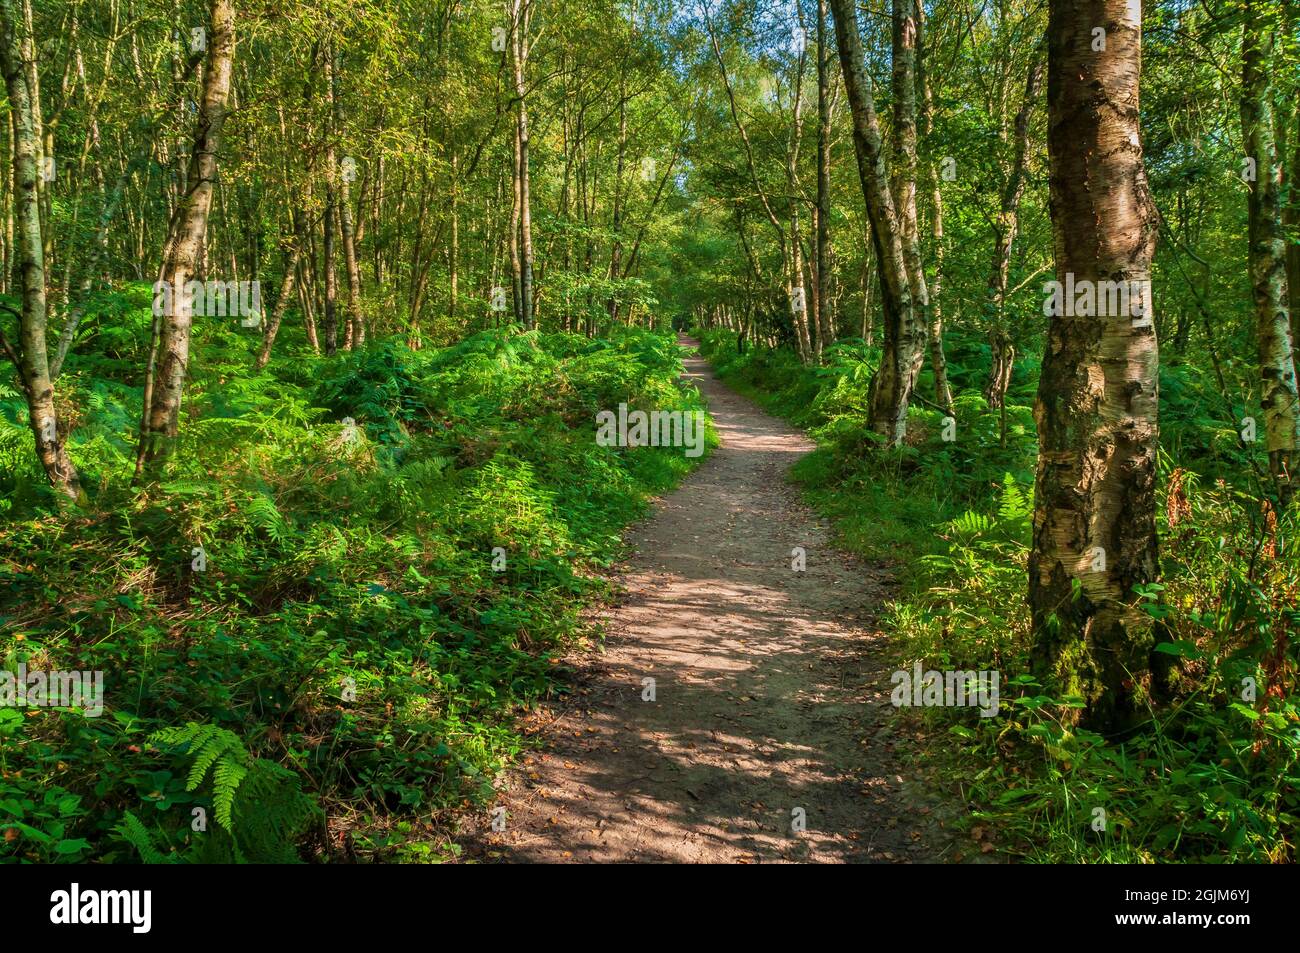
(768, 698)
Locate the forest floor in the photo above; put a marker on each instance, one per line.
(771, 693)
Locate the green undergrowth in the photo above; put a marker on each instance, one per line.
(1212, 775)
(319, 624)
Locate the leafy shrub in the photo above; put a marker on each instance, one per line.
(348, 626)
(257, 806)
(1213, 774)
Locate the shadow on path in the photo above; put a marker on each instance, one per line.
(769, 703)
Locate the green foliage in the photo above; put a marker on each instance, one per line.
(375, 387)
(1213, 775)
(257, 804)
(40, 819)
(348, 629)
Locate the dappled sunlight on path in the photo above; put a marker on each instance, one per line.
(769, 702)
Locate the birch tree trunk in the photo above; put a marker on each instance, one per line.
(329, 227)
(1291, 218)
(356, 326)
(1267, 247)
(516, 260)
(292, 258)
(30, 357)
(1094, 534)
(798, 293)
(453, 250)
(903, 333)
(184, 248)
(825, 319)
(522, 14)
(868, 307)
(934, 324)
(903, 180)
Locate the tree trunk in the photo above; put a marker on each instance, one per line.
(797, 291)
(307, 298)
(868, 308)
(516, 260)
(1094, 534)
(934, 336)
(825, 318)
(1291, 217)
(905, 37)
(286, 290)
(184, 248)
(27, 41)
(616, 222)
(330, 318)
(1006, 227)
(356, 326)
(522, 14)
(934, 326)
(453, 250)
(31, 359)
(329, 306)
(97, 255)
(1267, 247)
(903, 333)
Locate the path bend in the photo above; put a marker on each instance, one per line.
(770, 696)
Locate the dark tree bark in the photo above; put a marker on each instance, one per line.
(1006, 226)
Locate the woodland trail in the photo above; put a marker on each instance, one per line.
(770, 695)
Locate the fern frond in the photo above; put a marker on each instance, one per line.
(259, 806)
(970, 523)
(1014, 504)
(212, 744)
(137, 835)
(226, 778)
